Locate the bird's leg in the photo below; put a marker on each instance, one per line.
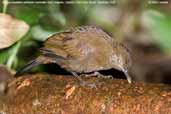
(83, 83)
(78, 77)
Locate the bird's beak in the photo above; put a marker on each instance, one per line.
(127, 76)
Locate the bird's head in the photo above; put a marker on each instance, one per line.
(121, 59)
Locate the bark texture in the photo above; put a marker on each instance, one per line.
(54, 94)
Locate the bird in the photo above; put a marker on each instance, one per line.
(83, 49)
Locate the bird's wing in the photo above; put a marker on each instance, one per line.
(75, 42)
(54, 45)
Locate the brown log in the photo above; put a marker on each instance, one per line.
(52, 94)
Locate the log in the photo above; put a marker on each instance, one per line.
(55, 94)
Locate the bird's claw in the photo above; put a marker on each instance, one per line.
(105, 77)
(91, 85)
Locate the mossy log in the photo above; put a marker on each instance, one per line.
(54, 94)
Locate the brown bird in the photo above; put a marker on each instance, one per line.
(83, 50)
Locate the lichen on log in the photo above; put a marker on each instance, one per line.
(54, 94)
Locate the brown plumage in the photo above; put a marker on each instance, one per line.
(82, 50)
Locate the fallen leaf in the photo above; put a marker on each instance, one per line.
(25, 83)
(5, 73)
(5, 76)
(11, 30)
(69, 92)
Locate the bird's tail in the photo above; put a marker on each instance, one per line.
(28, 66)
(47, 57)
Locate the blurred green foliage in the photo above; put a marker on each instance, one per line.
(162, 32)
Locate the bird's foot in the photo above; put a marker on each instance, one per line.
(99, 75)
(83, 83)
(105, 76)
(94, 74)
(91, 85)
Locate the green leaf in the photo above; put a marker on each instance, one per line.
(160, 26)
(27, 14)
(3, 56)
(162, 33)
